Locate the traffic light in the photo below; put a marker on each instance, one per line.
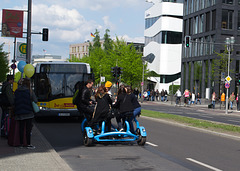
(187, 41)
(119, 72)
(114, 71)
(45, 34)
(237, 77)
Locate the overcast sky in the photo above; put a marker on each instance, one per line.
(72, 21)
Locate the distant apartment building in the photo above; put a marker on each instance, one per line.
(82, 49)
(209, 23)
(163, 43)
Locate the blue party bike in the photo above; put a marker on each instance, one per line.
(90, 136)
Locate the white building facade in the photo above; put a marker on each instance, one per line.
(163, 43)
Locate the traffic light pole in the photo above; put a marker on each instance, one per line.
(29, 23)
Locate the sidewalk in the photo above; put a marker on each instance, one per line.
(44, 157)
(203, 106)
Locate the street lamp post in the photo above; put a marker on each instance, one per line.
(229, 43)
(142, 81)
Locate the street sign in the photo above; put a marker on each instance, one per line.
(102, 79)
(13, 66)
(228, 78)
(141, 83)
(227, 85)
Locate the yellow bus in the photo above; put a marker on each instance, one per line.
(54, 85)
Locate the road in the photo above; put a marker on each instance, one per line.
(169, 147)
(198, 112)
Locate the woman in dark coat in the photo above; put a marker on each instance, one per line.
(24, 110)
(103, 107)
(125, 107)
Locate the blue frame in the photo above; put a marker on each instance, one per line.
(115, 135)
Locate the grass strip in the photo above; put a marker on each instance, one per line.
(191, 121)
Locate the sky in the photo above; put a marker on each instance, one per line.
(72, 22)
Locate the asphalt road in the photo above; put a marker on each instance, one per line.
(198, 112)
(169, 147)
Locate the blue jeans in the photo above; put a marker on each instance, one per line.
(231, 104)
(213, 102)
(135, 113)
(198, 100)
(162, 98)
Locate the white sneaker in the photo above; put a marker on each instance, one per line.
(31, 147)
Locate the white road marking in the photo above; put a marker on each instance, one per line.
(203, 164)
(154, 145)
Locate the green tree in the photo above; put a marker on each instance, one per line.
(114, 53)
(108, 43)
(220, 65)
(4, 69)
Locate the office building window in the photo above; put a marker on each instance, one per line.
(238, 2)
(213, 19)
(202, 4)
(201, 44)
(228, 1)
(201, 23)
(207, 45)
(190, 26)
(212, 44)
(196, 25)
(238, 19)
(207, 28)
(184, 27)
(150, 21)
(227, 18)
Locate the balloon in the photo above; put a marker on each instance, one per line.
(21, 66)
(29, 70)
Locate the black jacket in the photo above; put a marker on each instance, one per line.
(134, 101)
(104, 103)
(23, 104)
(124, 103)
(85, 97)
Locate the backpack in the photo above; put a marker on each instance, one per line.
(3, 98)
(75, 99)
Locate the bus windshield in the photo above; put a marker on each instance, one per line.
(58, 81)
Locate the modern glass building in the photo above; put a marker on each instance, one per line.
(209, 23)
(163, 42)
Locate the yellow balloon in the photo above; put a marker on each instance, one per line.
(29, 70)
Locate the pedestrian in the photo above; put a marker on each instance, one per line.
(108, 86)
(7, 102)
(162, 95)
(103, 108)
(237, 101)
(186, 97)
(214, 99)
(193, 98)
(24, 96)
(190, 98)
(85, 102)
(165, 95)
(198, 98)
(145, 95)
(136, 92)
(231, 100)
(157, 95)
(149, 96)
(178, 98)
(223, 98)
(136, 106)
(125, 107)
